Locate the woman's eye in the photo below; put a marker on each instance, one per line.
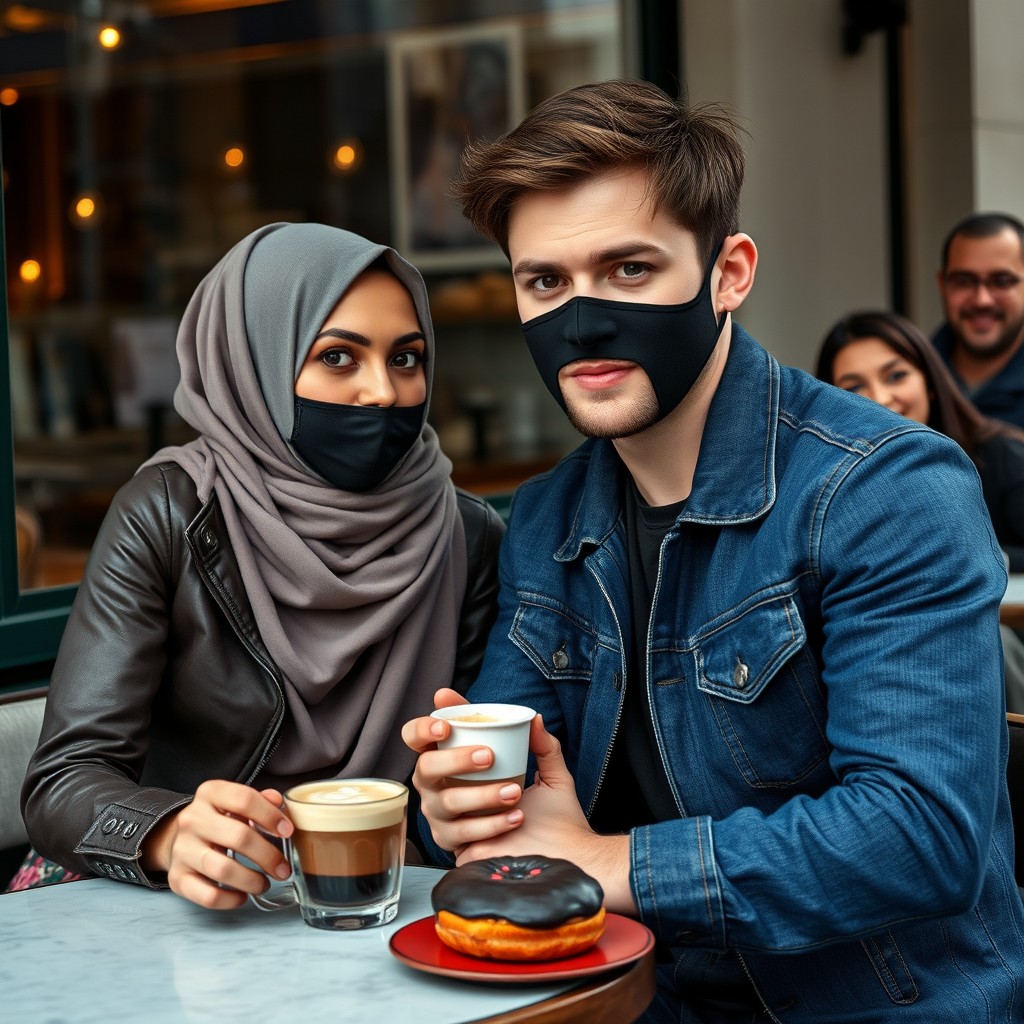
(896, 376)
(336, 357)
(407, 360)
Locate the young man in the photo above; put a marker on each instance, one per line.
(766, 662)
(982, 287)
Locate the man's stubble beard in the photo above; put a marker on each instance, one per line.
(1007, 339)
(644, 413)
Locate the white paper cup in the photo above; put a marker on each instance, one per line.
(505, 728)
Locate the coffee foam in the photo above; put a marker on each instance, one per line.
(346, 805)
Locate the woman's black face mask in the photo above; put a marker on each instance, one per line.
(354, 447)
(671, 344)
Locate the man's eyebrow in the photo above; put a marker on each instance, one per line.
(622, 251)
(360, 339)
(538, 267)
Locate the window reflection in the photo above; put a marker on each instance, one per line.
(137, 152)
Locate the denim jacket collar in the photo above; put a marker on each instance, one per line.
(734, 480)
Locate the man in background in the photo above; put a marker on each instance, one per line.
(982, 288)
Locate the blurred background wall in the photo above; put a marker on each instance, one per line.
(141, 138)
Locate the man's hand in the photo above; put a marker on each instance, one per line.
(191, 845)
(554, 825)
(457, 814)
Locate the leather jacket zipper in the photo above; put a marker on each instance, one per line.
(273, 737)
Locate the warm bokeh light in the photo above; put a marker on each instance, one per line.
(30, 271)
(348, 155)
(109, 37)
(9, 96)
(85, 210)
(234, 157)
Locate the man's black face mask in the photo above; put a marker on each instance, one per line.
(671, 344)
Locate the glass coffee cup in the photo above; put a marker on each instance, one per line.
(346, 853)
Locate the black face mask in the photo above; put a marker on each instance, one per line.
(671, 344)
(354, 447)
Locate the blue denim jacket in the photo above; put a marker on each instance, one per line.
(826, 688)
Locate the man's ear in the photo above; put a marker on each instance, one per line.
(737, 263)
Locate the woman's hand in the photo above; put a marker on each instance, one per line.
(191, 845)
(457, 815)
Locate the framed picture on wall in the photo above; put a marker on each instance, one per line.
(446, 88)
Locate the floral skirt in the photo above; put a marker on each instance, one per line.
(36, 871)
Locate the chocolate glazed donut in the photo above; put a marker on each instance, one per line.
(518, 908)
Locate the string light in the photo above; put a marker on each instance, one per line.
(234, 157)
(9, 96)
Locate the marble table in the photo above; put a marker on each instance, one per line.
(95, 951)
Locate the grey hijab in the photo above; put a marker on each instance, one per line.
(356, 596)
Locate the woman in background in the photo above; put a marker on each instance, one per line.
(884, 357)
(269, 603)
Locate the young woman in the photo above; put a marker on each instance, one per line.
(268, 603)
(884, 357)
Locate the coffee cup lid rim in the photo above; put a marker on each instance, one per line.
(515, 714)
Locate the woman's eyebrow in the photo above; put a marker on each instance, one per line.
(343, 335)
(360, 339)
(405, 339)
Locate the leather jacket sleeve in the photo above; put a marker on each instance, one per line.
(484, 531)
(82, 802)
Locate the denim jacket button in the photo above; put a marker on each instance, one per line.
(560, 659)
(740, 674)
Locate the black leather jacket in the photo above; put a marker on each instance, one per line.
(162, 680)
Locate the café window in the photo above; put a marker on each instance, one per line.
(141, 140)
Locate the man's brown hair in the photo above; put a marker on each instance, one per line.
(692, 156)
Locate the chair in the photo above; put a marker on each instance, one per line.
(21, 719)
(1015, 782)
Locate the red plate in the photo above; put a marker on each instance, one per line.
(417, 945)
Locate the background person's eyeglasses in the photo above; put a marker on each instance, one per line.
(965, 281)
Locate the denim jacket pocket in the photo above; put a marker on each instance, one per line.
(555, 640)
(764, 692)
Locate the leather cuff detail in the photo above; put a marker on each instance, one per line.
(117, 832)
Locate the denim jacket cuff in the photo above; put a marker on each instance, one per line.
(675, 882)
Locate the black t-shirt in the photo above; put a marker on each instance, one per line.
(635, 790)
